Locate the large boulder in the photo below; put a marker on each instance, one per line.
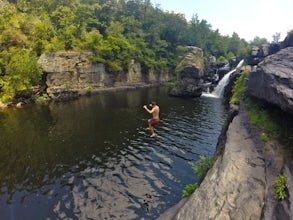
(190, 72)
(273, 80)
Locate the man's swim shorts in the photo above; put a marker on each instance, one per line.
(155, 121)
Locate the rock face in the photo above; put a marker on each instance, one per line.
(288, 42)
(259, 53)
(70, 74)
(226, 192)
(273, 80)
(190, 72)
(241, 182)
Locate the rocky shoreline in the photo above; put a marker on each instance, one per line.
(240, 184)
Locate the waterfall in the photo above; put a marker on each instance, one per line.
(219, 90)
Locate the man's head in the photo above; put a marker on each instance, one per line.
(153, 103)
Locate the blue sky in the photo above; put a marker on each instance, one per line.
(248, 18)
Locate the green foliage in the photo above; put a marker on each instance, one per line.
(262, 118)
(239, 89)
(264, 137)
(221, 59)
(21, 73)
(189, 189)
(280, 187)
(259, 41)
(171, 83)
(201, 167)
(42, 99)
(115, 31)
(266, 148)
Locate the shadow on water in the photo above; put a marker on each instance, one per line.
(92, 158)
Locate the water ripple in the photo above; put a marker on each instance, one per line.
(94, 159)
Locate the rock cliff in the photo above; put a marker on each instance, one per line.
(70, 74)
(190, 73)
(273, 80)
(240, 184)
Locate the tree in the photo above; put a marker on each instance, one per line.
(21, 72)
(257, 41)
(276, 37)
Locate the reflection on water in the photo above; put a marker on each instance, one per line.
(92, 158)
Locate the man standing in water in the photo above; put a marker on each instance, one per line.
(155, 120)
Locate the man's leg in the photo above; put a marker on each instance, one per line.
(151, 128)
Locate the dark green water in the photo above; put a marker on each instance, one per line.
(92, 158)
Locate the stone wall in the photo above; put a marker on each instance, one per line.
(73, 73)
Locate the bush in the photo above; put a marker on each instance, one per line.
(189, 189)
(264, 137)
(201, 167)
(280, 187)
(21, 73)
(239, 89)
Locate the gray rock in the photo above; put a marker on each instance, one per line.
(190, 72)
(273, 80)
(71, 74)
(258, 53)
(241, 182)
(234, 188)
(288, 42)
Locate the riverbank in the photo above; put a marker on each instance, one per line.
(18, 103)
(240, 184)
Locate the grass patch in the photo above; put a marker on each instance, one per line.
(273, 122)
(270, 119)
(201, 167)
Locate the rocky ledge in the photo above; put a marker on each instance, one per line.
(273, 80)
(240, 184)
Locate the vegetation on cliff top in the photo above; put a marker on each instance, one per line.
(115, 31)
(274, 122)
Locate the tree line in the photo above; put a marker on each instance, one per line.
(116, 31)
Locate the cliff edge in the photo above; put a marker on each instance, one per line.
(241, 183)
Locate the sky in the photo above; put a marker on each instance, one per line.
(247, 18)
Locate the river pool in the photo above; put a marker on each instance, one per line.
(92, 158)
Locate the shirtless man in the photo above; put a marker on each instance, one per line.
(155, 120)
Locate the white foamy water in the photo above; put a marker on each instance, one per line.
(219, 90)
